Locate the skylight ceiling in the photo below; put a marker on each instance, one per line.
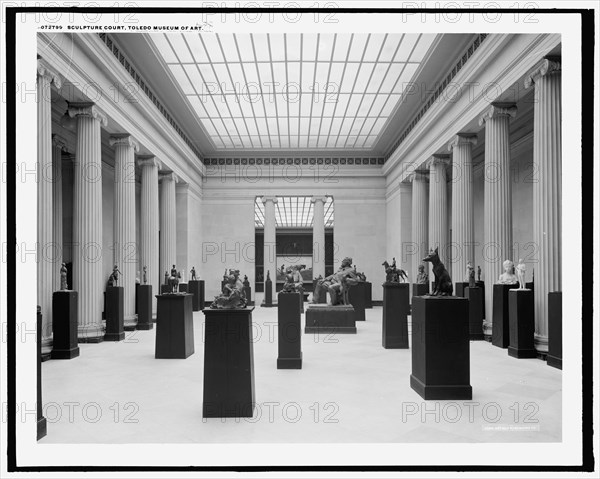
(292, 212)
(290, 91)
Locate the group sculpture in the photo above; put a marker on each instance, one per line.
(394, 274)
(232, 296)
(337, 284)
(113, 279)
(293, 279)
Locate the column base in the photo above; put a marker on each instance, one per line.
(130, 323)
(90, 334)
(487, 330)
(540, 343)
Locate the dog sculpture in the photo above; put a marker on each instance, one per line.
(443, 284)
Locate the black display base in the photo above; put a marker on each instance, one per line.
(481, 284)
(395, 310)
(144, 307)
(440, 347)
(475, 297)
(368, 295)
(183, 287)
(420, 289)
(165, 288)
(41, 420)
(228, 363)
(64, 325)
(174, 326)
(322, 296)
(289, 331)
(522, 326)
(554, 356)
(196, 287)
(268, 301)
(356, 297)
(459, 288)
(501, 324)
(115, 296)
(326, 319)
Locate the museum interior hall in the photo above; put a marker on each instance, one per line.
(299, 237)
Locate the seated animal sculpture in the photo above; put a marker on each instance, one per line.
(443, 284)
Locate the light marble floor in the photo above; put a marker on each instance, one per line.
(350, 389)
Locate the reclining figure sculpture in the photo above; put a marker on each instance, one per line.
(337, 284)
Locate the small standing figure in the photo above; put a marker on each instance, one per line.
(478, 273)
(166, 277)
(145, 275)
(246, 282)
(521, 268)
(137, 278)
(193, 274)
(472, 277)
(63, 277)
(468, 274)
(268, 275)
(113, 279)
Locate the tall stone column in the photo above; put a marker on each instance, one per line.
(463, 249)
(168, 223)
(419, 221)
(547, 190)
(88, 277)
(318, 235)
(438, 205)
(45, 248)
(497, 201)
(58, 145)
(125, 247)
(270, 252)
(149, 222)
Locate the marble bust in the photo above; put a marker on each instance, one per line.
(508, 277)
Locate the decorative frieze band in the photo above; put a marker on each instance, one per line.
(292, 161)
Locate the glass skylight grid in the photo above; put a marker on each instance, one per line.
(292, 212)
(264, 90)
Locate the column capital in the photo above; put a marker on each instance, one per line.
(170, 176)
(269, 198)
(148, 160)
(59, 141)
(314, 199)
(547, 66)
(124, 140)
(438, 160)
(88, 109)
(419, 176)
(462, 139)
(46, 71)
(498, 109)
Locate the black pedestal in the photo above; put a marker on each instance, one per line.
(289, 331)
(228, 363)
(268, 301)
(500, 325)
(522, 326)
(64, 325)
(174, 326)
(144, 307)
(475, 297)
(183, 288)
(481, 284)
(165, 288)
(326, 319)
(554, 357)
(459, 288)
(356, 297)
(395, 310)
(420, 289)
(196, 287)
(440, 347)
(322, 296)
(137, 289)
(368, 295)
(41, 420)
(115, 296)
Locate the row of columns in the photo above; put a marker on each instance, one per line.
(429, 213)
(89, 279)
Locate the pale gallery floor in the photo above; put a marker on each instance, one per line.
(350, 389)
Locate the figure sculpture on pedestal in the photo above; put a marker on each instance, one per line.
(113, 279)
(508, 277)
(268, 276)
(63, 277)
(468, 272)
(145, 277)
(478, 273)
(293, 280)
(166, 277)
(246, 282)
(393, 274)
(137, 278)
(193, 274)
(443, 283)
(337, 284)
(472, 277)
(233, 296)
(174, 280)
(521, 268)
(422, 276)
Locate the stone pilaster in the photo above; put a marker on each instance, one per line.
(463, 249)
(547, 190)
(125, 247)
(497, 217)
(318, 235)
(168, 223)
(420, 221)
(88, 278)
(58, 145)
(438, 204)
(149, 223)
(45, 235)
(270, 238)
